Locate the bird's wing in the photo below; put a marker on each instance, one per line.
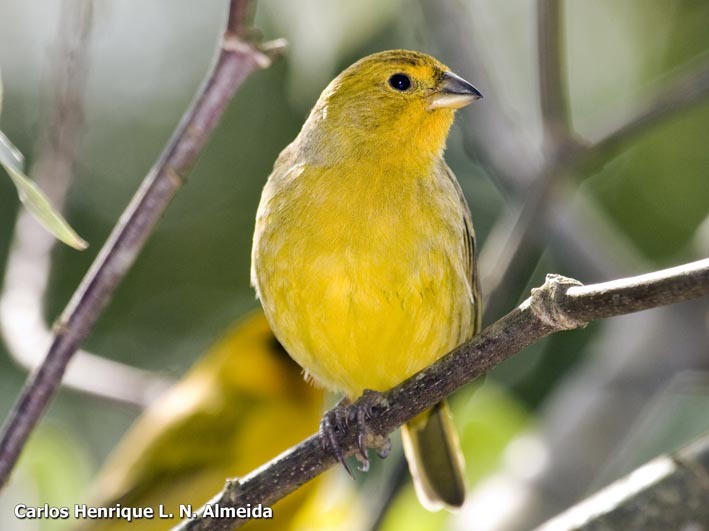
(470, 250)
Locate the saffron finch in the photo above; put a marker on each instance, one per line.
(363, 253)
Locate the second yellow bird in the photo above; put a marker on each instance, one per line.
(363, 253)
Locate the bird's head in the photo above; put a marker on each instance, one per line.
(391, 100)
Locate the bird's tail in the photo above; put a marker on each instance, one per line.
(435, 459)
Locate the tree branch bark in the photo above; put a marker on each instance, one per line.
(669, 492)
(560, 304)
(237, 58)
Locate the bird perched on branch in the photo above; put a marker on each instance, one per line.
(363, 254)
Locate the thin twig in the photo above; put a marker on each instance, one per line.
(560, 304)
(236, 60)
(670, 492)
(552, 88)
(690, 87)
(502, 259)
(514, 237)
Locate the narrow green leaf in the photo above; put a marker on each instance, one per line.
(34, 199)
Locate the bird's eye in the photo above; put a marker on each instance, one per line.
(400, 82)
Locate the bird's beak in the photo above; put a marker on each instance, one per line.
(453, 92)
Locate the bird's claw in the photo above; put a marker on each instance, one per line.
(341, 416)
(384, 449)
(333, 421)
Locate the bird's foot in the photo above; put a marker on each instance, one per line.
(339, 418)
(342, 416)
(333, 421)
(369, 401)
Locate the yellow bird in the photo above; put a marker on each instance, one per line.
(239, 406)
(363, 254)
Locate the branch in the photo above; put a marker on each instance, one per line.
(670, 492)
(690, 88)
(504, 256)
(560, 304)
(236, 60)
(552, 91)
(514, 237)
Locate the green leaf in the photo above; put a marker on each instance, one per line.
(34, 199)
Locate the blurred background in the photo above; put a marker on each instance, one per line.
(604, 178)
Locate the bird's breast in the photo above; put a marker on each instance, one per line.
(362, 276)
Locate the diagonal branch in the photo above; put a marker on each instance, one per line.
(669, 492)
(236, 60)
(560, 304)
(690, 88)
